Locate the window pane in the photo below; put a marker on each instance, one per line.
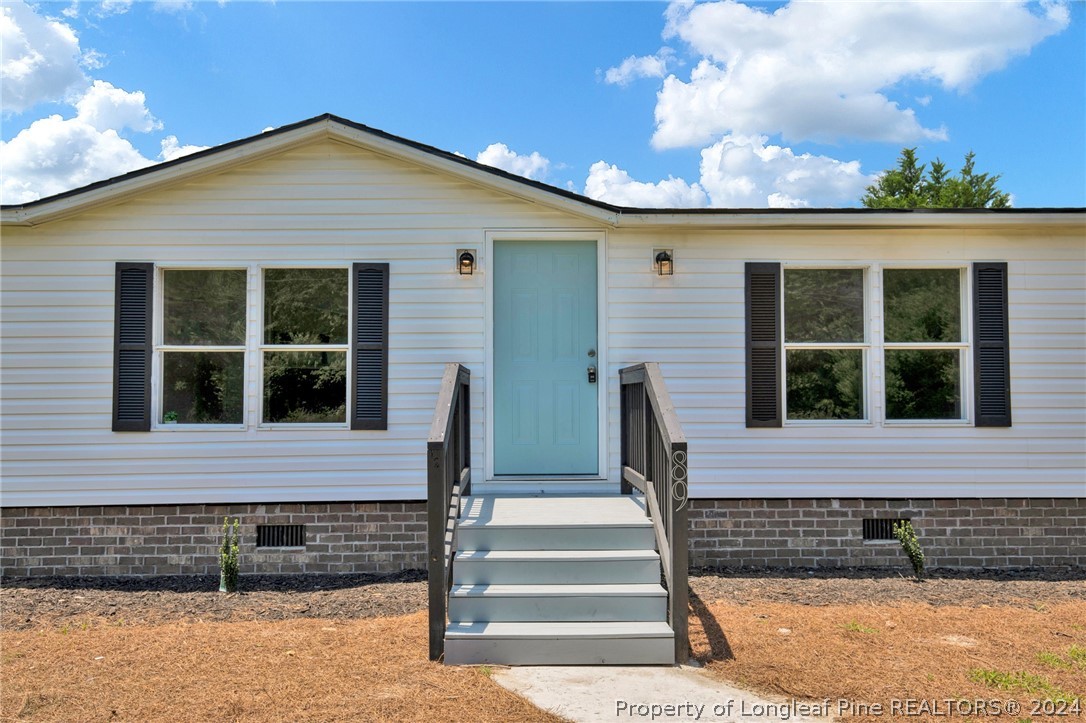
(922, 305)
(305, 306)
(203, 307)
(825, 384)
(824, 305)
(305, 386)
(203, 387)
(923, 384)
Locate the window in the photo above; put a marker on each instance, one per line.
(935, 349)
(190, 344)
(924, 344)
(203, 346)
(825, 344)
(304, 348)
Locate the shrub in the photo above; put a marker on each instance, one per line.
(906, 535)
(228, 556)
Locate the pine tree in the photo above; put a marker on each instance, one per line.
(909, 186)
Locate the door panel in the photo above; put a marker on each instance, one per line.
(545, 409)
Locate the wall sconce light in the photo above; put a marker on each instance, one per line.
(465, 261)
(663, 262)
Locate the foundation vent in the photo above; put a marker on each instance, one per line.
(881, 529)
(282, 535)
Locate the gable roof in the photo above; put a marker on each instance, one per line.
(217, 158)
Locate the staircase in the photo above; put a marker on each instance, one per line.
(557, 579)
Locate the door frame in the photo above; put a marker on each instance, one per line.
(603, 380)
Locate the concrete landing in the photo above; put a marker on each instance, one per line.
(589, 694)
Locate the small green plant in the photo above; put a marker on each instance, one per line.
(486, 671)
(1077, 654)
(855, 627)
(170, 417)
(906, 535)
(1053, 660)
(228, 556)
(1019, 682)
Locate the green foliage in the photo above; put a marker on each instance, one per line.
(1020, 681)
(909, 186)
(170, 416)
(906, 535)
(855, 627)
(825, 384)
(228, 556)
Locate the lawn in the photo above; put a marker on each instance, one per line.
(877, 657)
(289, 670)
(342, 649)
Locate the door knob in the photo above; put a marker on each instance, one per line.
(591, 375)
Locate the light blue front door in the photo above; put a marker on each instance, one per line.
(545, 404)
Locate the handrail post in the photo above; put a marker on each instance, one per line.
(436, 510)
(447, 467)
(680, 554)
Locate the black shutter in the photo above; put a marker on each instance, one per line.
(991, 345)
(369, 353)
(763, 344)
(132, 347)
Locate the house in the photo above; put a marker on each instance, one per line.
(340, 335)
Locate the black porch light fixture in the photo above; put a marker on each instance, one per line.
(664, 263)
(465, 261)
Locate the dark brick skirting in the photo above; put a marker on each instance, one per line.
(954, 533)
(347, 537)
(359, 537)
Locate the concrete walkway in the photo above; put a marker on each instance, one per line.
(590, 694)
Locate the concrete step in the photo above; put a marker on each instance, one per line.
(560, 643)
(555, 567)
(570, 603)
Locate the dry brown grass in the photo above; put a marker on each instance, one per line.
(875, 654)
(293, 670)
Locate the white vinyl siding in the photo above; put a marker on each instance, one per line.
(324, 204)
(330, 203)
(693, 324)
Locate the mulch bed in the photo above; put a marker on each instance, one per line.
(33, 602)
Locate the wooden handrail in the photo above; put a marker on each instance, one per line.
(448, 481)
(654, 461)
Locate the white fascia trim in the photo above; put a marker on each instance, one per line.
(725, 219)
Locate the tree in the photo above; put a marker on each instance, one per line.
(908, 186)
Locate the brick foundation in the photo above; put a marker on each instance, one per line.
(954, 533)
(347, 537)
(358, 537)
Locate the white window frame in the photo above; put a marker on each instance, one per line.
(865, 346)
(253, 349)
(261, 348)
(158, 385)
(964, 347)
(875, 345)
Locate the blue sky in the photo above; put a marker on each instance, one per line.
(723, 104)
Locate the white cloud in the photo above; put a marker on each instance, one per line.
(39, 58)
(821, 71)
(173, 6)
(171, 149)
(613, 185)
(743, 172)
(498, 155)
(113, 7)
(104, 106)
(645, 66)
(739, 172)
(55, 155)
